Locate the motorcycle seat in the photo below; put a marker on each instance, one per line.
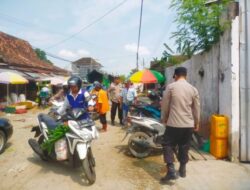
(49, 121)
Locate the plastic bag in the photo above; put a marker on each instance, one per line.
(61, 149)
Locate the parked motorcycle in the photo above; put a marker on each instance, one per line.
(150, 108)
(44, 99)
(145, 110)
(147, 135)
(77, 142)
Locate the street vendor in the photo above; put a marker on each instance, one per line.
(77, 97)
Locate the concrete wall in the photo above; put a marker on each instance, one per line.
(219, 87)
(207, 85)
(244, 80)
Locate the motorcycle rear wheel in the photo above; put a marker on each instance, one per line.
(45, 153)
(88, 166)
(137, 150)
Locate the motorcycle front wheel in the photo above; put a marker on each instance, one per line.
(137, 145)
(88, 165)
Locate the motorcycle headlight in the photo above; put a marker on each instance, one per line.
(74, 124)
(85, 136)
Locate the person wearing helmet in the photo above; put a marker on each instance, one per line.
(103, 104)
(77, 97)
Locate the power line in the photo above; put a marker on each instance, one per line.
(57, 57)
(52, 55)
(88, 26)
(23, 23)
(139, 36)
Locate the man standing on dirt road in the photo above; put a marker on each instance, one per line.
(181, 115)
(128, 98)
(114, 94)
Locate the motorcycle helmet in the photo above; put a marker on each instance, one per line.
(75, 81)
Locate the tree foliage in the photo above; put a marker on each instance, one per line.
(199, 25)
(132, 71)
(42, 55)
(122, 78)
(169, 57)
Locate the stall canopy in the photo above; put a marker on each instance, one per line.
(53, 80)
(147, 76)
(12, 78)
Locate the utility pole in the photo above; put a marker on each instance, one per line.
(139, 36)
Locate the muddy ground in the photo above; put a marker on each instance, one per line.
(20, 168)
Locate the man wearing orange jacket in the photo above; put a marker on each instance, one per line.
(103, 104)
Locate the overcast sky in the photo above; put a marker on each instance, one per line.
(112, 41)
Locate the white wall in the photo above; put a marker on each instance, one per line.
(219, 88)
(207, 85)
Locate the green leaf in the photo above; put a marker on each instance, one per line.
(53, 136)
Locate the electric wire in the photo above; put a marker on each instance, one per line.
(23, 23)
(88, 26)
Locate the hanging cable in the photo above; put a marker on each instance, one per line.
(88, 26)
(139, 36)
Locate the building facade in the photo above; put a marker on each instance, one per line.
(84, 66)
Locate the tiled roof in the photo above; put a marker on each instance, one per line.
(87, 61)
(19, 53)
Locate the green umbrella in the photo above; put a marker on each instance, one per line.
(159, 76)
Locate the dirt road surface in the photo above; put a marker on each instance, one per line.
(116, 169)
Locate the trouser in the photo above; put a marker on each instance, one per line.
(114, 107)
(103, 119)
(125, 109)
(174, 137)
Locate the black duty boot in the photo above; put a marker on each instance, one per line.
(182, 170)
(171, 174)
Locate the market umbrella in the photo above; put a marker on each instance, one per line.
(147, 76)
(12, 78)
